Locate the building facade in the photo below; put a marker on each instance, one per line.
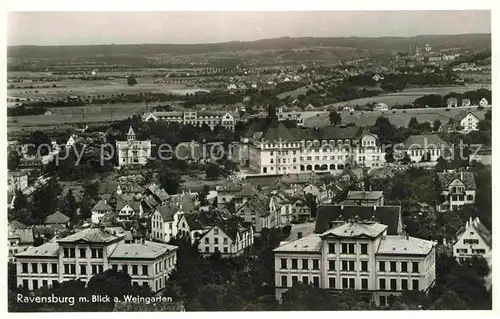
(356, 255)
(472, 240)
(416, 146)
(92, 251)
(456, 189)
(17, 181)
(229, 239)
(132, 151)
(196, 118)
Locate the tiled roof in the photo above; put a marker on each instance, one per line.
(247, 190)
(310, 243)
(402, 245)
(130, 131)
(364, 195)
(101, 206)
(15, 224)
(193, 221)
(136, 206)
(420, 141)
(50, 249)
(146, 250)
(445, 178)
(25, 235)
(90, 235)
(386, 215)
(355, 229)
(462, 114)
(167, 212)
(329, 133)
(57, 218)
(260, 204)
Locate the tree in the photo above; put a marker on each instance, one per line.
(335, 118)
(413, 123)
(69, 205)
(13, 158)
(441, 164)
(20, 200)
(45, 200)
(311, 203)
(213, 171)
(406, 159)
(131, 80)
(202, 195)
(449, 301)
(436, 125)
(170, 180)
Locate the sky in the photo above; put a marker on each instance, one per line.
(80, 28)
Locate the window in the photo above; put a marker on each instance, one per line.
(35, 284)
(115, 267)
(83, 269)
(471, 241)
(44, 283)
(352, 285)
(352, 265)
(283, 263)
(216, 231)
(345, 283)
(305, 280)
(284, 281)
(351, 249)
(144, 270)
(125, 269)
(224, 241)
(54, 268)
(331, 265)
(225, 250)
(404, 284)
(94, 269)
(216, 240)
(294, 264)
(65, 252)
(305, 264)
(393, 266)
(34, 268)
(414, 266)
(344, 249)
(44, 268)
(470, 197)
(393, 284)
(364, 265)
(207, 240)
(207, 249)
(415, 284)
(383, 301)
(83, 252)
(381, 284)
(72, 253)
(316, 281)
(364, 283)
(364, 249)
(344, 265)
(316, 264)
(25, 267)
(404, 266)
(331, 248)
(381, 266)
(134, 270)
(295, 280)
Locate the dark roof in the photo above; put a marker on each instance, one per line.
(445, 178)
(460, 116)
(387, 215)
(232, 228)
(57, 218)
(101, 206)
(133, 204)
(167, 211)
(329, 133)
(421, 140)
(482, 231)
(259, 204)
(193, 221)
(91, 235)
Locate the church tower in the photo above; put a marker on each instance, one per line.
(130, 135)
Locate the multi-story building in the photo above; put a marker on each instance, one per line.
(472, 240)
(132, 151)
(196, 118)
(457, 189)
(164, 222)
(261, 212)
(467, 121)
(100, 210)
(17, 181)
(416, 146)
(229, 238)
(19, 240)
(365, 198)
(269, 148)
(92, 251)
(356, 254)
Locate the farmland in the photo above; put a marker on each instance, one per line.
(409, 95)
(396, 117)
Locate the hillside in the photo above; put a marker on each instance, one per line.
(374, 45)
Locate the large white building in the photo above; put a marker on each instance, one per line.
(197, 118)
(269, 148)
(132, 151)
(358, 255)
(418, 145)
(456, 189)
(92, 251)
(472, 240)
(467, 121)
(228, 238)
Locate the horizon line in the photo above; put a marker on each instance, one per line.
(248, 41)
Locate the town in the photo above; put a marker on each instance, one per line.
(268, 178)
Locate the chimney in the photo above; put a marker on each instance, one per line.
(470, 220)
(299, 235)
(462, 175)
(374, 207)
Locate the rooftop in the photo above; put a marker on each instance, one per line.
(90, 235)
(57, 218)
(421, 141)
(364, 195)
(146, 250)
(310, 243)
(355, 230)
(445, 178)
(50, 249)
(396, 244)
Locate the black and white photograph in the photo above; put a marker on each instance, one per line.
(187, 161)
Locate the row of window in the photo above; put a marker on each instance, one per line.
(471, 241)
(474, 251)
(348, 248)
(216, 239)
(43, 268)
(350, 283)
(350, 265)
(294, 160)
(94, 253)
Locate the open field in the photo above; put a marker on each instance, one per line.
(84, 88)
(399, 118)
(407, 96)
